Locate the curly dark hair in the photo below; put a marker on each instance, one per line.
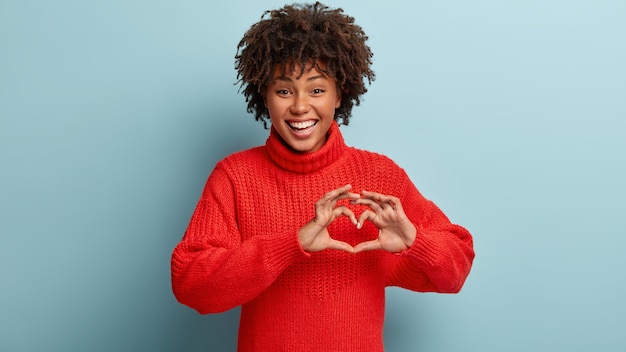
(299, 34)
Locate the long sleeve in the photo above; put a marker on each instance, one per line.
(213, 270)
(241, 249)
(441, 257)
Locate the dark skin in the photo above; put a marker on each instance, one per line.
(396, 232)
(311, 99)
(336, 48)
(331, 36)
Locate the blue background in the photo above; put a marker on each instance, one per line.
(510, 115)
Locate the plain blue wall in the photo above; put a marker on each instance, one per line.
(508, 114)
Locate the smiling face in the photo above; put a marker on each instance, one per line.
(302, 109)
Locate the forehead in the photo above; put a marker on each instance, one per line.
(295, 70)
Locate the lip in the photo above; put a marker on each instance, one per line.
(302, 133)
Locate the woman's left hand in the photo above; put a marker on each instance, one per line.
(396, 232)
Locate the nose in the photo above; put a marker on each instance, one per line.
(301, 104)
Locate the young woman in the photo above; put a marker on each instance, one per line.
(305, 232)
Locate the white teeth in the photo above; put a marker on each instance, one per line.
(302, 125)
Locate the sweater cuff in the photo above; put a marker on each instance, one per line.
(284, 249)
(423, 250)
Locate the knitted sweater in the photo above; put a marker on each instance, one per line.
(241, 249)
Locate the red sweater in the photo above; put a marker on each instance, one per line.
(241, 248)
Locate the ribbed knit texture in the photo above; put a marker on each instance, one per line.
(241, 248)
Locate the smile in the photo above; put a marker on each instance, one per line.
(302, 126)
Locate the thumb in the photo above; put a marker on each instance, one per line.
(367, 246)
(340, 245)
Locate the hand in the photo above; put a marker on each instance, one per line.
(314, 236)
(396, 232)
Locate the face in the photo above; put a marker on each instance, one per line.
(302, 109)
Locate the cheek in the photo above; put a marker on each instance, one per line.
(270, 105)
(275, 111)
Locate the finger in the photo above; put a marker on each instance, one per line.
(394, 202)
(342, 210)
(387, 206)
(335, 195)
(366, 215)
(367, 246)
(374, 205)
(373, 195)
(327, 205)
(384, 200)
(340, 245)
(348, 195)
(379, 197)
(336, 192)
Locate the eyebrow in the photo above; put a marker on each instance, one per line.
(288, 79)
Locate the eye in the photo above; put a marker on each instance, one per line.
(317, 91)
(282, 92)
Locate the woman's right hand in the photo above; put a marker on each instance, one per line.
(314, 236)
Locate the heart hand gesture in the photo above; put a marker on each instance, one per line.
(396, 233)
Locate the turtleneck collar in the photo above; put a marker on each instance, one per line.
(288, 159)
